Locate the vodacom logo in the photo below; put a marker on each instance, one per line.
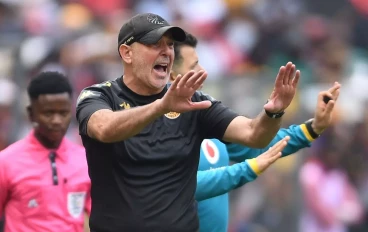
(210, 150)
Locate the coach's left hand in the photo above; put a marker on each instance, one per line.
(284, 90)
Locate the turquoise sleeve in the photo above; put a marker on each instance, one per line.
(218, 181)
(298, 139)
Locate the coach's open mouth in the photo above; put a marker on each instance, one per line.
(160, 67)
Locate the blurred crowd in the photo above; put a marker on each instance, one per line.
(242, 44)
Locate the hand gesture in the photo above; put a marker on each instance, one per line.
(284, 90)
(269, 157)
(178, 97)
(325, 106)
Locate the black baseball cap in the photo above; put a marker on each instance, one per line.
(148, 28)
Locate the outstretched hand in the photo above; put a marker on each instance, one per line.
(178, 97)
(284, 91)
(325, 105)
(269, 157)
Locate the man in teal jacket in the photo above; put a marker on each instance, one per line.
(215, 178)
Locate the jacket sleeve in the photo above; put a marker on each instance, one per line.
(218, 181)
(299, 138)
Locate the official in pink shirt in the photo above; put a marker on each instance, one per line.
(44, 182)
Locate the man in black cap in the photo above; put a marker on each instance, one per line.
(142, 136)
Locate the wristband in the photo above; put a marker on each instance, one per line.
(275, 115)
(312, 133)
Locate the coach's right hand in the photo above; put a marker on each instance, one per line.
(263, 161)
(178, 97)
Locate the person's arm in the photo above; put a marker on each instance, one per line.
(4, 186)
(97, 119)
(299, 135)
(302, 135)
(218, 181)
(259, 132)
(256, 133)
(108, 126)
(86, 223)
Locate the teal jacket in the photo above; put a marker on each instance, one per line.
(215, 178)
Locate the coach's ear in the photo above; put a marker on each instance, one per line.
(125, 52)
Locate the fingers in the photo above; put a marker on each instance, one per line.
(335, 87)
(197, 80)
(280, 77)
(199, 83)
(331, 94)
(336, 94)
(296, 79)
(335, 90)
(278, 147)
(193, 79)
(323, 96)
(273, 153)
(185, 78)
(274, 158)
(287, 75)
(281, 144)
(290, 67)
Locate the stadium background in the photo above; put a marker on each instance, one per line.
(242, 43)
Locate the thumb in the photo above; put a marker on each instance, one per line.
(268, 106)
(201, 105)
(330, 106)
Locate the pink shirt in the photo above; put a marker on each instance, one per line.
(333, 195)
(28, 197)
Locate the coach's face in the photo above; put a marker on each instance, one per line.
(187, 61)
(152, 64)
(51, 115)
